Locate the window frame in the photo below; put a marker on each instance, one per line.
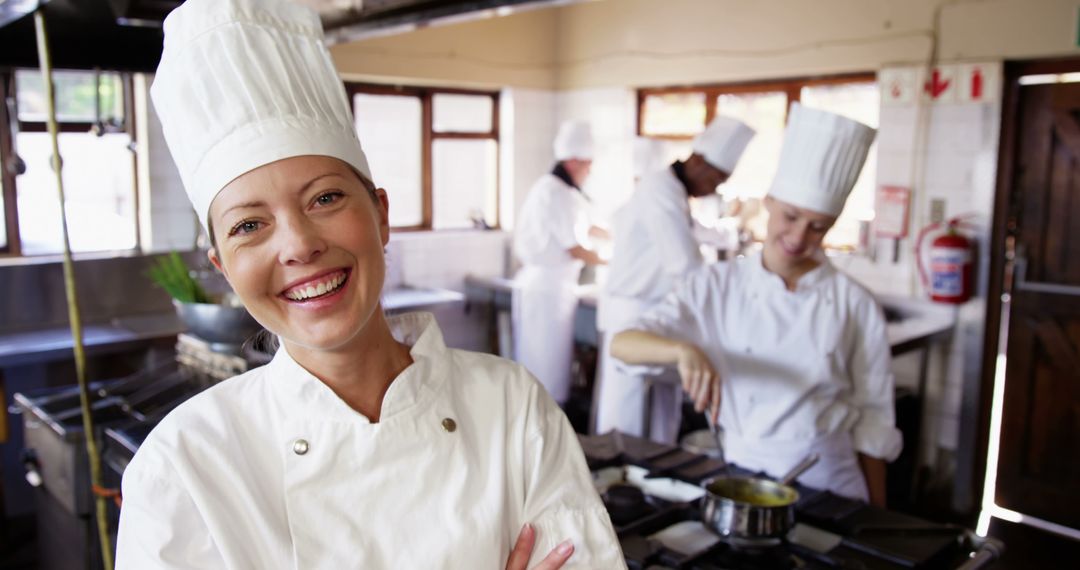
(13, 247)
(428, 136)
(792, 87)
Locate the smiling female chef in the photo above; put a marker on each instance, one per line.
(366, 442)
(796, 349)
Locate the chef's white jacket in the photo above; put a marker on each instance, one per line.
(272, 470)
(797, 368)
(553, 219)
(655, 242)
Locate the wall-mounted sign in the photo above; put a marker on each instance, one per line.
(951, 83)
(891, 212)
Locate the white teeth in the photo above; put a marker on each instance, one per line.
(316, 290)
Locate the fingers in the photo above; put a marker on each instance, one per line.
(522, 551)
(557, 557)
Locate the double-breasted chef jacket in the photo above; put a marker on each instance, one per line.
(271, 469)
(553, 219)
(801, 371)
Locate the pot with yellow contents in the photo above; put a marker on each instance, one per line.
(752, 507)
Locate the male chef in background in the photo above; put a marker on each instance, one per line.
(657, 245)
(552, 241)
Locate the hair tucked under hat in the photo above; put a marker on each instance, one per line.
(243, 83)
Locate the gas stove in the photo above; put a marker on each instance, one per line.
(652, 492)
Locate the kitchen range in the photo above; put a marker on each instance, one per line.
(653, 493)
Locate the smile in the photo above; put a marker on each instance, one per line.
(320, 287)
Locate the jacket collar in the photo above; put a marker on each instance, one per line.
(304, 395)
(762, 277)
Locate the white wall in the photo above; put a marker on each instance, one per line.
(166, 218)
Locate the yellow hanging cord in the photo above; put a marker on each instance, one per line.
(72, 299)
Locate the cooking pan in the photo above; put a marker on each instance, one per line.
(752, 507)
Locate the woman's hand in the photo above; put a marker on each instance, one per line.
(699, 379)
(522, 551)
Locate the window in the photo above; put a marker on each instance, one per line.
(95, 143)
(678, 114)
(435, 151)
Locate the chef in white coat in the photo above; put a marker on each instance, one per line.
(790, 352)
(657, 246)
(365, 442)
(552, 241)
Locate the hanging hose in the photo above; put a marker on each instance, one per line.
(72, 299)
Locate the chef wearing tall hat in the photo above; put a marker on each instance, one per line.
(787, 350)
(656, 247)
(366, 442)
(551, 241)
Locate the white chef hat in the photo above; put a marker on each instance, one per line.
(822, 156)
(723, 142)
(574, 140)
(243, 83)
(648, 155)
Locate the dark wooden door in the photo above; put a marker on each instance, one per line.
(1039, 462)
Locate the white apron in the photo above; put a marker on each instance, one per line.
(543, 308)
(837, 470)
(622, 391)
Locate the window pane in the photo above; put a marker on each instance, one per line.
(390, 131)
(98, 186)
(462, 113)
(464, 181)
(673, 114)
(74, 96)
(857, 101)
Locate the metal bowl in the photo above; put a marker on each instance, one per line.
(218, 323)
(748, 507)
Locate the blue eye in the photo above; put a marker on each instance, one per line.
(244, 227)
(329, 198)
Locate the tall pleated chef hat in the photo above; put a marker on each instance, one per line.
(574, 140)
(648, 156)
(243, 83)
(822, 156)
(723, 142)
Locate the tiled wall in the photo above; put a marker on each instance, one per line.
(167, 220)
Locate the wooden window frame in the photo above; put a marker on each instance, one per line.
(426, 95)
(8, 180)
(792, 87)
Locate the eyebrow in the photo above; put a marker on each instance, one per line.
(304, 188)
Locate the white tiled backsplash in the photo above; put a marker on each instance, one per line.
(443, 259)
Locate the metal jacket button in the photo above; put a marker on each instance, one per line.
(300, 446)
(449, 425)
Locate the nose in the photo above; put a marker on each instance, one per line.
(299, 241)
(799, 232)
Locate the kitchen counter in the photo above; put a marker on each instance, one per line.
(913, 324)
(123, 333)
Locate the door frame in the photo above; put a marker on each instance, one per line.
(1013, 71)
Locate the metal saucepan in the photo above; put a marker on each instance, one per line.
(752, 507)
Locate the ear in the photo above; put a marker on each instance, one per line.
(384, 215)
(769, 203)
(212, 255)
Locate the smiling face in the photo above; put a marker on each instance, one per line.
(301, 243)
(793, 235)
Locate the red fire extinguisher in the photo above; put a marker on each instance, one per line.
(952, 263)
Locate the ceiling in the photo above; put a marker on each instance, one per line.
(126, 34)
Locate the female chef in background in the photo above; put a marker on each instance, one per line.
(791, 353)
(551, 239)
(365, 442)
